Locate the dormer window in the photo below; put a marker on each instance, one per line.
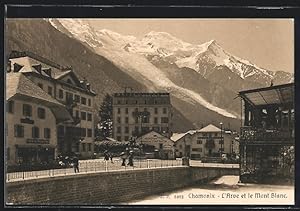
(69, 81)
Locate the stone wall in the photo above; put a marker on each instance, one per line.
(102, 188)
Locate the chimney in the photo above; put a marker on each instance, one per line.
(38, 68)
(88, 86)
(17, 67)
(8, 68)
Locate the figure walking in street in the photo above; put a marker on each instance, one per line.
(123, 157)
(76, 164)
(111, 157)
(130, 158)
(106, 155)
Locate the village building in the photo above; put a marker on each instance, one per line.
(268, 134)
(32, 116)
(63, 85)
(163, 146)
(209, 141)
(135, 114)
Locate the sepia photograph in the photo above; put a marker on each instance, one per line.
(149, 111)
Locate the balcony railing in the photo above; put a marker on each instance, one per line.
(210, 144)
(249, 134)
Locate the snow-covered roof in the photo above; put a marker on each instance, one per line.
(210, 128)
(176, 136)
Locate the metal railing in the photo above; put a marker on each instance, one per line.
(89, 166)
(197, 163)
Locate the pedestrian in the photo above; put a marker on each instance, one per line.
(130, 158)
(111, 157)
(76, 164)
(123, 157)
(106, 156)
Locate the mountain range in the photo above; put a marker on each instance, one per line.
(203, 79)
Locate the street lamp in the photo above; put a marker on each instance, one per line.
(222, 143)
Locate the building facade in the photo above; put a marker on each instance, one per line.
(63, 85)
(163, 146)
(209, 141)
(268, 136)
(31, 121)
(135, 114)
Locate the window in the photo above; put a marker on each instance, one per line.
(164, 120)
(118, 129)
(136, 120)
(89, 102)
(89, 116)
(221, 141)
(83, 132)
(216, 134)
(83, 100)
(41, 113)
(10, 106)
(83, 115)
(126, 130)
(35, 132)
(126, 101)
(77, 98)
(160, 146)
(155, 120)
(126, 138)
(155, 110)
(89, 132)
(47, 133)
(61, 94)
(118, 119)
(126, 119)
(49, 90)
(119, 110)
(119, 101)
(19, 131)
(136, 129)
(204, 134)
(89, 147)
(69, 97)
(118, 138)
(126, 110)
(83, 147)
(164, 110)
(27, 110)
(77, 114)
(40, 85)
(199, 141)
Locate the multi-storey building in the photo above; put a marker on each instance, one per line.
(31, 121)
(135, 114)
(268, 136)
(62, 84)
(209, 141)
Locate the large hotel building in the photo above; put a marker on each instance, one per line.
(135, 114)
(49, 110)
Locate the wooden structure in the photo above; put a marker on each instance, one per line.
(267, 137)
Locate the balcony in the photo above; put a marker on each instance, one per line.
(210, 144)
(251, 135)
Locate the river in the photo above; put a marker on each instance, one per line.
(224, 191)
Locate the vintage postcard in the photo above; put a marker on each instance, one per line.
(152, 111)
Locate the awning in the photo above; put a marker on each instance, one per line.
(281, 94)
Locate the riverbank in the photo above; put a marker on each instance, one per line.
(224, 191)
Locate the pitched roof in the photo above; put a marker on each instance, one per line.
(19, 86)
(210, 128)
(176, 136)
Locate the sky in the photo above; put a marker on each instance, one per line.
(268, 43)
